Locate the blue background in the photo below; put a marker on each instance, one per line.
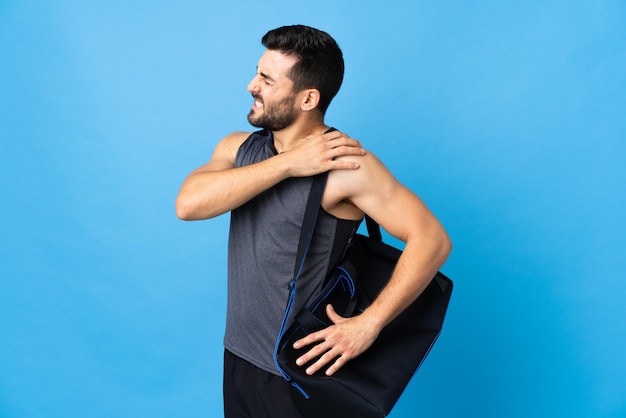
(507, 118)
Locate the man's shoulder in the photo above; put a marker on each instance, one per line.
(235, 139)
(237, 136)
(367, 162)
(372, 172)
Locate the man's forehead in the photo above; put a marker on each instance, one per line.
(275, 64)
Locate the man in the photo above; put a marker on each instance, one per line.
(264, 179)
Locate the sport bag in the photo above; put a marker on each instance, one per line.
(369, 385)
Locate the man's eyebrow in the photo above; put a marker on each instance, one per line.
(265, 76)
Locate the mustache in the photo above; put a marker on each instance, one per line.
(257, 97)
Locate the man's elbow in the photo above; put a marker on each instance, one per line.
(190, 209)
(440, 244)
(184, 210)
(445, 245)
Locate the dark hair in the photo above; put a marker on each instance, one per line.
(320, 61)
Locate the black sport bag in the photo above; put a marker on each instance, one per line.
(369, 385)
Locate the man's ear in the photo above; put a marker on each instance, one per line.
(309, 99)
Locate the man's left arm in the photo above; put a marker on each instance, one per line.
(375, 191)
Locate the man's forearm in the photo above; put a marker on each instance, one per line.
(414, 271)
(209, 193)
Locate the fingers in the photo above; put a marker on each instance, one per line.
(323, 351)
(335, 366)
(320, 153)
(338, 139)
(324, 361)
(346, 150)
(343, 165)
(325, 355)
(335, 145)
(320, 335)
(327, 349)
(333, 315)
(342, 145)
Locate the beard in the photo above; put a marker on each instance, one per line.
(275, 116)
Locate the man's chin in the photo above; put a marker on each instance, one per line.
(253, 121)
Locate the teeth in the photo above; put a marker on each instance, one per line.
(258, 104)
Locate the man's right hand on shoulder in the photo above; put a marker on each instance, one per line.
(319, 153)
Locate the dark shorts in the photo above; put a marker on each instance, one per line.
(250, 392)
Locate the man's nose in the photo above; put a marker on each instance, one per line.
(253, 86)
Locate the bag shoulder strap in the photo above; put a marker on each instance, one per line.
(373, 229)
(304, 243)
(310, 220)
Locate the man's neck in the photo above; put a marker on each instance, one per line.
(287, 138)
